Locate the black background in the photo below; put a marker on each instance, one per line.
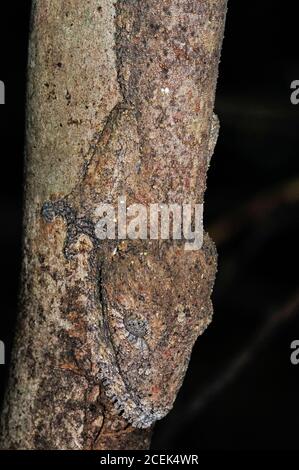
(226, 402)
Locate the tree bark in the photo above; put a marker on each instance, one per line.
(120, 101)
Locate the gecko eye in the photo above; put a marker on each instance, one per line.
(134, 328)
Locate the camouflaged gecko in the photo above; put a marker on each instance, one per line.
(147, 301)
(151, 299)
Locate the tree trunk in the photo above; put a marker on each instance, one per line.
(120, 103)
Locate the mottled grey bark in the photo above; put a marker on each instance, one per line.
(120, 101)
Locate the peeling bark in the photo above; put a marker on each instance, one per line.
(120, 101)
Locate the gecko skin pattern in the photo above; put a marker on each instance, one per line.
(150, 298)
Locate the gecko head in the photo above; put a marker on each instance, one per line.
(157, 302)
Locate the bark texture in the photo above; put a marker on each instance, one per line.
(120, 101)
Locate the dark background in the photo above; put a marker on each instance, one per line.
(241, 390)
